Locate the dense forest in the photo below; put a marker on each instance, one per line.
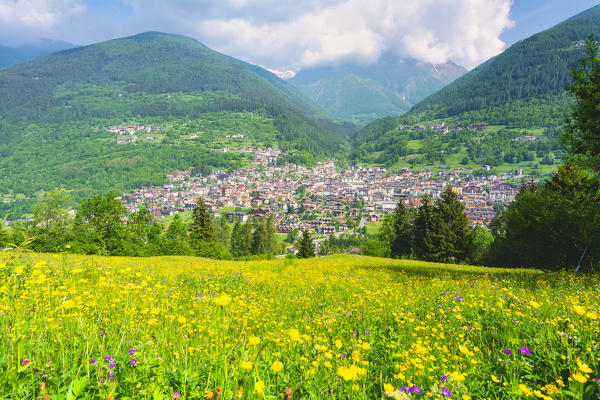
(535, 68)
(55, 110)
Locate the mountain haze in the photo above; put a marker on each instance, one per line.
(10, 55)
(362, 93)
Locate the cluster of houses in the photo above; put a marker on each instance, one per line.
(322, 199)
(131, 130)
(442, 128)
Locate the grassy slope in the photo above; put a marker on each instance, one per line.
(350, 326)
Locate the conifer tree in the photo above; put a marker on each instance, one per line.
(259, 239)
(455, 234)
(424, 225)
(202, 228)
(400, 243)
(306, 247)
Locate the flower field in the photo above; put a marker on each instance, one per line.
(339, 327)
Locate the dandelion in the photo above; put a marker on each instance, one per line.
(223, 300)
(259, 387)
(247, 365)
(388, 388)
(253, 340)
(277, 366)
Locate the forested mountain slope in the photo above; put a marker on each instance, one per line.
(55, 111)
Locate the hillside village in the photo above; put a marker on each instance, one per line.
(322, 199)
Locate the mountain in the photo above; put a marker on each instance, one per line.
(520, 93)
(201, 108)
(524, 85)
(362, 93)
(18, 54)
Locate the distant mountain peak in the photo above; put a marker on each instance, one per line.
(363, 92)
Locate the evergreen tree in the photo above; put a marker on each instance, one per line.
(271, 236)
(582, 129)
(455, 234)
(552, 226)
(400, 240)
(306, 247)
(424, 225)
(259, 239)
(202, 228)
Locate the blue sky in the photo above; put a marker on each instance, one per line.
(292, 34)
(532, 16)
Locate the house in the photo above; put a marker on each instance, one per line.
(237, 216)
(373, 218)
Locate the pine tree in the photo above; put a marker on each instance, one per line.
(424, 230)
(400, 243)
(271, 246)
(259, 239)
(455, 234)
(202, 228)
(306, 247)
(235, 237)
(582, 128)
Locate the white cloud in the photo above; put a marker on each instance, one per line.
(285, 33)
(24, 20)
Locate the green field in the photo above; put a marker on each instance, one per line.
(339, 327)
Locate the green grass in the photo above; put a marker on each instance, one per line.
(346, 327)
(373, 228)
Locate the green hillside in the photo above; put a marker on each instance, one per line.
(520, 92)
(362, 93)
(54, 112)
(522, 87)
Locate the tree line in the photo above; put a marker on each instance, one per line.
(101, 226)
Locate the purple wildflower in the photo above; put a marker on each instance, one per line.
(107, 358)
(507, 351)
(112, 365)
(93, 360)
(175, 395)
(132, 351)
(445, 377)
(524, 350)
(446, 392)
(111, 375)
(133, 361)
(24, 362)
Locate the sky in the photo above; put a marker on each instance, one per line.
(294, 34)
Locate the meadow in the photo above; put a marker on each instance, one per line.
(338, 327)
